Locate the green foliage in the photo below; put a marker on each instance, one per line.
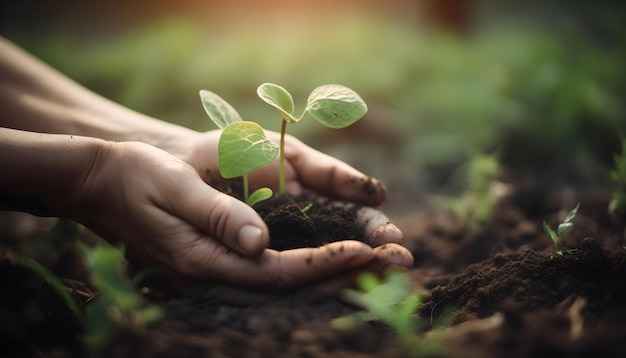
(474, 207)
(220, 111)
(243, 146)
(279, 98)
(391, 301)
(118, 307)
(507, 85)
(334, 106)
(53, 281)
(617, 206)
(563, 228)
(618, 176)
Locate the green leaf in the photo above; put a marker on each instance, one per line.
(107, 265)
(220, 111)
(551, 234)
(564, 228)
(278, 97)
(367, 281)
(572, 214)
(259, 195)
(243, 147)
(53, 281)
(335, 106)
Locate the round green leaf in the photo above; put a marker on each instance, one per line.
(335, 106)
(220, 111)
(243, 147)
(278, 97)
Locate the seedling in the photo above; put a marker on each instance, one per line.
(563, 228)
(474, 207)
(334, 106)
(118, 307)
(391, 301)
(243, 146)
(617, 207)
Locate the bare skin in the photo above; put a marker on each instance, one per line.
(67, 152)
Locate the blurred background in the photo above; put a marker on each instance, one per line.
(538, 84)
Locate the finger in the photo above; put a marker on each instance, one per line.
(377, 228)
(388, 256)
(332, 177)
(280, 270)
(221, 216)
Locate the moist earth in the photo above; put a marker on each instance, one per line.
(498, 290)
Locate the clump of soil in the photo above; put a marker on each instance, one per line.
(307, 222)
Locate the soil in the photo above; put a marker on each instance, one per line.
(497, 290)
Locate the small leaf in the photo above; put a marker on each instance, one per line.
(259, 195)
(551, 234)
(564, 228)
(572, 214)
(335, 106)
(243, 147)
(220, 111)
(367, 281)
(278, 97)
(107, 265)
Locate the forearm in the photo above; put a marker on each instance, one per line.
(42, 173)
(37, 98)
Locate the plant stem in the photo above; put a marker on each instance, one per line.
(245, 188)
(281, 163)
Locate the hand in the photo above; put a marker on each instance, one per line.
(165, 214)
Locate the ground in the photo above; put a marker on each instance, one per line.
(497, 290)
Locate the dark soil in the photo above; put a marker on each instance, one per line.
(305, 222)
(499, 289)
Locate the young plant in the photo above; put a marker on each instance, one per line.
(334, 106)
(563, 228)
(474, 207)
(617, 207)
(117, 307)
(243, 146)
(391, 301)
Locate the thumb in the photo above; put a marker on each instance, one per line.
(223, 217)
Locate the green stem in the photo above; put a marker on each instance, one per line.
(281, 184)
(245, 188)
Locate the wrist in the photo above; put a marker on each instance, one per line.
(43, 170)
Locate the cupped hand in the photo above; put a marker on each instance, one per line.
(166, 215)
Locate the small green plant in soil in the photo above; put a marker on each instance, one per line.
(334, 106)
(117, 307)
(475, 205)
(391, 301)
(243, 146)
(617, 206)
(563, 228)
(53, 281)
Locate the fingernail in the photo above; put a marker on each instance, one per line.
(250, 238)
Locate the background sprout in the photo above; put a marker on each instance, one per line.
(617, 206)
(391, 301)
(334, 106)
(563, 228)
(243, 146)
